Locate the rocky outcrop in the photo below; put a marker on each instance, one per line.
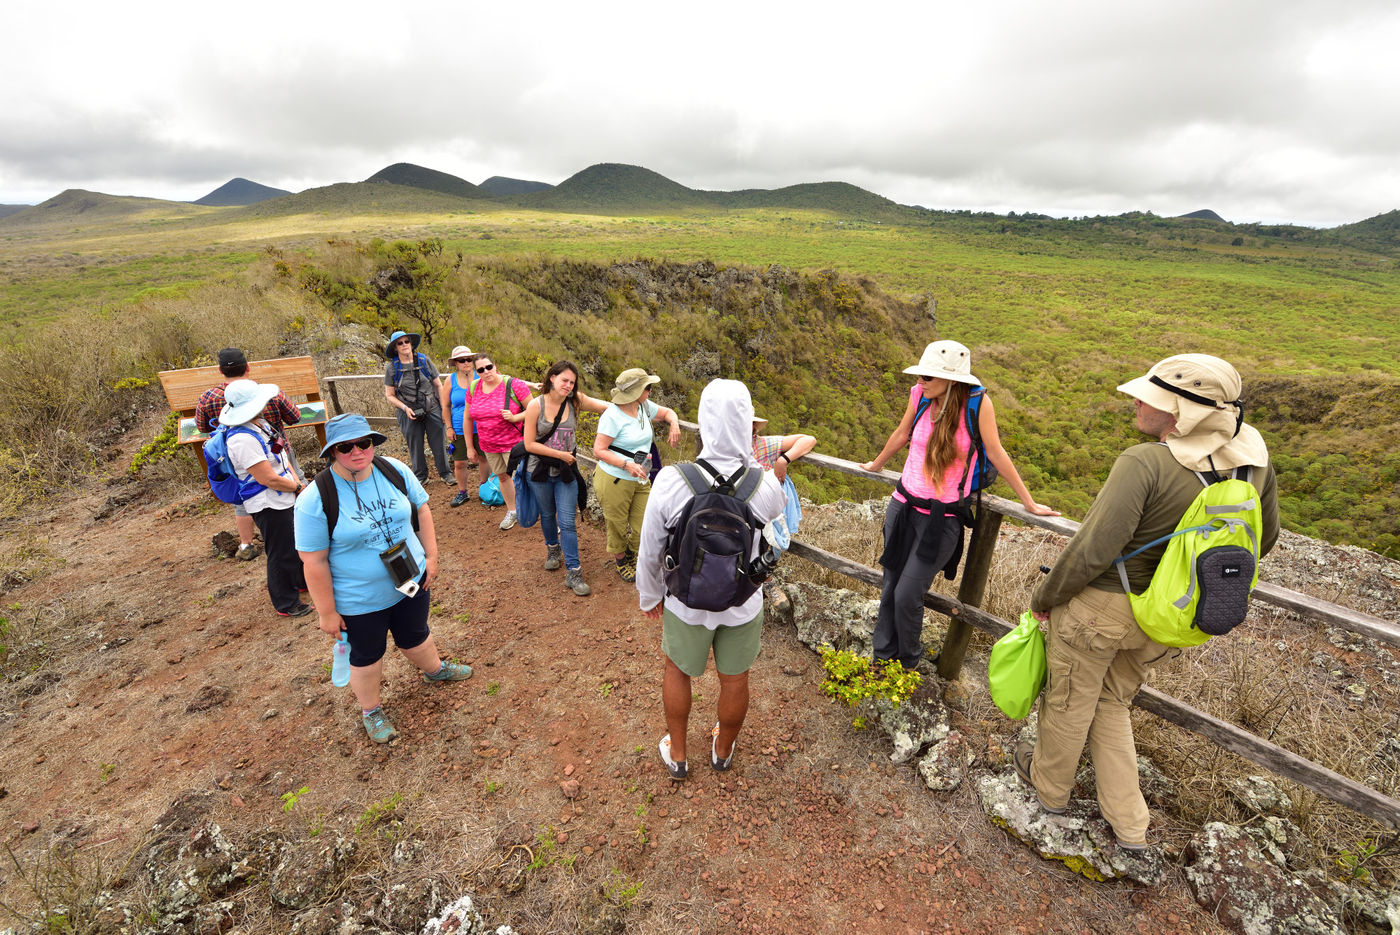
(461, 918)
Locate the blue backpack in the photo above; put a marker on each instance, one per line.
(981, 468)
(420, 361)
(223, 479)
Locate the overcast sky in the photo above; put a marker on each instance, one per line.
(1262, 110)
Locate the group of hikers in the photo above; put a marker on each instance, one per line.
(360, 540)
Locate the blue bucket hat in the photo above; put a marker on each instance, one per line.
(347, 427)
(413, 336)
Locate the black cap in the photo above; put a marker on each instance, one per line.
(232, 357)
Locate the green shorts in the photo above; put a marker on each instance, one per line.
(688, 645)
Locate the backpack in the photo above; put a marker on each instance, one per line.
(223, 478)
(985, 471)
(1202, 585)
(706, 562)
(330, 495)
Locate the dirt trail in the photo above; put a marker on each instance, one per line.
(181, 678)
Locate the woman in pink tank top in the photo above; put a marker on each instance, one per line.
(928, 510)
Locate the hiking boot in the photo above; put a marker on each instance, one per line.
(301, 610)
(450, 672)
(574, 582)
(1137, 850)
(449, 480)
(1021, 759)
(461, 498)
(248, 551)
(378, 726)
(627, 570)
(677, 770)
(724, 764)
(554, 557)
(509, 521)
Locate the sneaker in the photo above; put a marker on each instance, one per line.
(449, 480)
(509, 521)
(461, 498)
(1135, 849)
(677, 770)
(553, 557)
(1021, 759)
(247, 552)
(715, 761)
(450, 672)
(574, 582)
(378, 726)
(301, 610)
(627, 570)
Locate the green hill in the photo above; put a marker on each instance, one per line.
(346, 198)
(77, 207)
(836, 197)
(238, 192)
(503, 187)
(7, 210)
(613, 187)
(405, 173)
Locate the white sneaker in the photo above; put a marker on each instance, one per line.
(509, 521)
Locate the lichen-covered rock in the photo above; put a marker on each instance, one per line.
(1260, 795)
(461, 918)
(306, 872)
(1248, 891)
(1080, 840)
(189, 867)
(1156, 788)
(599, 915)
(406, 907)
(836, 616)
(1280, 838)
(922, 720)
(944, 767)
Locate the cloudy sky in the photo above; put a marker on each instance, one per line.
(1263, 110)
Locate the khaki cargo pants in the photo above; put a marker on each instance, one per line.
(1098, 658)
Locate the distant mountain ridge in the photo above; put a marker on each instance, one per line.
(1205, 214)
(504, 187)
(238, 192)
(406, 173)
(7, 210)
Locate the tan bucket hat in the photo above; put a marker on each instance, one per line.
(1203, 394)
(461, 350)
(947, 360)
(630, 383)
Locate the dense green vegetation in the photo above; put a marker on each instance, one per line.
(819, 312)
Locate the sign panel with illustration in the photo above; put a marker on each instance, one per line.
(312, 413)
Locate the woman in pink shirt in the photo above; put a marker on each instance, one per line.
(496, 418)
(926, 515)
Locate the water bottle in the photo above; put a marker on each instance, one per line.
(340, 662)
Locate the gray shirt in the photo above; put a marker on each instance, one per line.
(417, 386)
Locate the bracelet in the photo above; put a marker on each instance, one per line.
(784, 456)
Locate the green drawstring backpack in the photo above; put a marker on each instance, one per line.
(1202, 585)
(1016, 668)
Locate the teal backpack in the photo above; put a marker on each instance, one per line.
(1202, 585)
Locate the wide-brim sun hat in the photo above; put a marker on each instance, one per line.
(244, 401)
(946, 360)
(630, 385)
(461, 350)
(349, 427)
(413, 336)
(759, 422)
(1203, 394)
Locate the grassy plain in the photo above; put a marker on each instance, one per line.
(1057, 313)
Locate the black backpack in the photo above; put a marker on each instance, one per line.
(706, 563)
(330, 496)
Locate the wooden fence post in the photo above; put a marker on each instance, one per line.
(976, 567)
(335, 400)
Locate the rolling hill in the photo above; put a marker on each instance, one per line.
(503, 187)
(350, 198)
(78, 207)
(7, 210)
(838, 197)
(1205, 214)
(238, 192)
(611, 186)
(406, 173)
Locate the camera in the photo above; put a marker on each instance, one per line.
(419, 413)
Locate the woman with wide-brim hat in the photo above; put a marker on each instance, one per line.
(359, 573)
(622, 446)
(926, 514)
(259, 452)
(411, 386)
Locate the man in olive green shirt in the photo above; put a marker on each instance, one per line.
(1096, 653)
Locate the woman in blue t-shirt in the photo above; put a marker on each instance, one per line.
(622, 446)
(356, 573)
(454, 393)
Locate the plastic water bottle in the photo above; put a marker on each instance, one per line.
(340, 662)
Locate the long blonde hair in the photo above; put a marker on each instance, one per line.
(942, 448)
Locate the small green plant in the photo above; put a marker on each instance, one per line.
(105, 773)
(434, 610)
(131, 383)
(289, 799)
(463, 618)
(545, 845)
(491, 787)
(378, 812)
(621, 891)
(852, 679)
(638, 749)
(1353, 862)
(605, 689)
(492, 687)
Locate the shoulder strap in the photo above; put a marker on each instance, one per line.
(693, 476)
(330, 499)
(244, 430)
(924, 403)
(392, 475)
(974, 433)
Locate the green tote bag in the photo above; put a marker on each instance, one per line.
(1016, 668)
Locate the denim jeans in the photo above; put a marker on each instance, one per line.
(558, 500)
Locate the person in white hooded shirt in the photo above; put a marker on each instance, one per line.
(689, 635)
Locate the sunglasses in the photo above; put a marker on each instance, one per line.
(363, 444)
(485, 367)
(461, 360)
(403, 342)
(924, 379)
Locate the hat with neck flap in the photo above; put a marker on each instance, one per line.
(1203, 394)
(726, 426)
